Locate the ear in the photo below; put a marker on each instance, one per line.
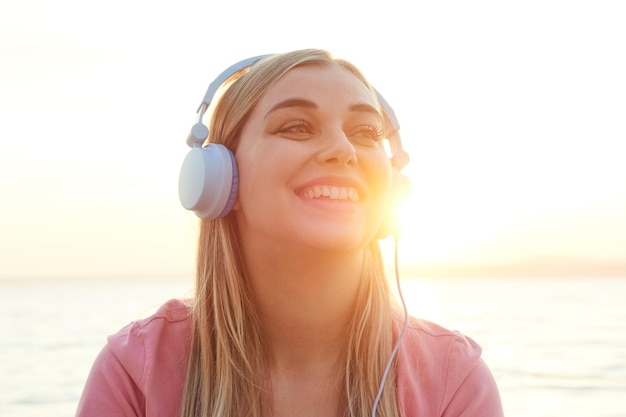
(400, 189)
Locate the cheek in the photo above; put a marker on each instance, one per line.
(381, 176)
(259, 180)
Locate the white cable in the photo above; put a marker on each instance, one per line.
(400, 337)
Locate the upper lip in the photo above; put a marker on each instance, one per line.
(333, 181)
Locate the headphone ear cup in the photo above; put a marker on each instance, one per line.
(209, 182)
(400, 189)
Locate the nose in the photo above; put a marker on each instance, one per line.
(337, 149)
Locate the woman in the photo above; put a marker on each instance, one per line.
(292, 315)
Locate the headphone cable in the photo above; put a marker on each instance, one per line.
(396, 239)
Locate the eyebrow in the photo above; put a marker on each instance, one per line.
(300, 102)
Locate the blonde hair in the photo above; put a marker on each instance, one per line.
(227, 361)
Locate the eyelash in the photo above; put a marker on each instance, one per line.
(296, 124)
(372, 132)
(376, 132)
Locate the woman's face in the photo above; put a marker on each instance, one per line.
(313, 171)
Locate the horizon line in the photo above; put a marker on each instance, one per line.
(538, 267)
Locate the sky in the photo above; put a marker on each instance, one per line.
(514, 114)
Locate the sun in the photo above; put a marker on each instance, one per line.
(426, 237)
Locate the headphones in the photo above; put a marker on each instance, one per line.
(209, 182)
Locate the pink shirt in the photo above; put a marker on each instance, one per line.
(141, 371)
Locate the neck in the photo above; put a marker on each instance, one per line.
(305, 304)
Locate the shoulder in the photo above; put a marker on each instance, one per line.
(426, 343)
(173, 316)
(166, 333)
(146, 356)
(173, 312)
(440, 370)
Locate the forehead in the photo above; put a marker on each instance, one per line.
(330, 84)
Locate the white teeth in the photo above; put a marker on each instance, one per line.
(332, 192)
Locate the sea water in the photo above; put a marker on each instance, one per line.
(557, 347)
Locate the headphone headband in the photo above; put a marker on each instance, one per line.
(225, 75)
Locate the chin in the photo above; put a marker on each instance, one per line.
(335, 239)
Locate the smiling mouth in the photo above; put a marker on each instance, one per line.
(332, 192)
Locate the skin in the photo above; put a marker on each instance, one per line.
(315, 127)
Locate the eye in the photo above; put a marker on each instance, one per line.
(296, 130)
(368, 135)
